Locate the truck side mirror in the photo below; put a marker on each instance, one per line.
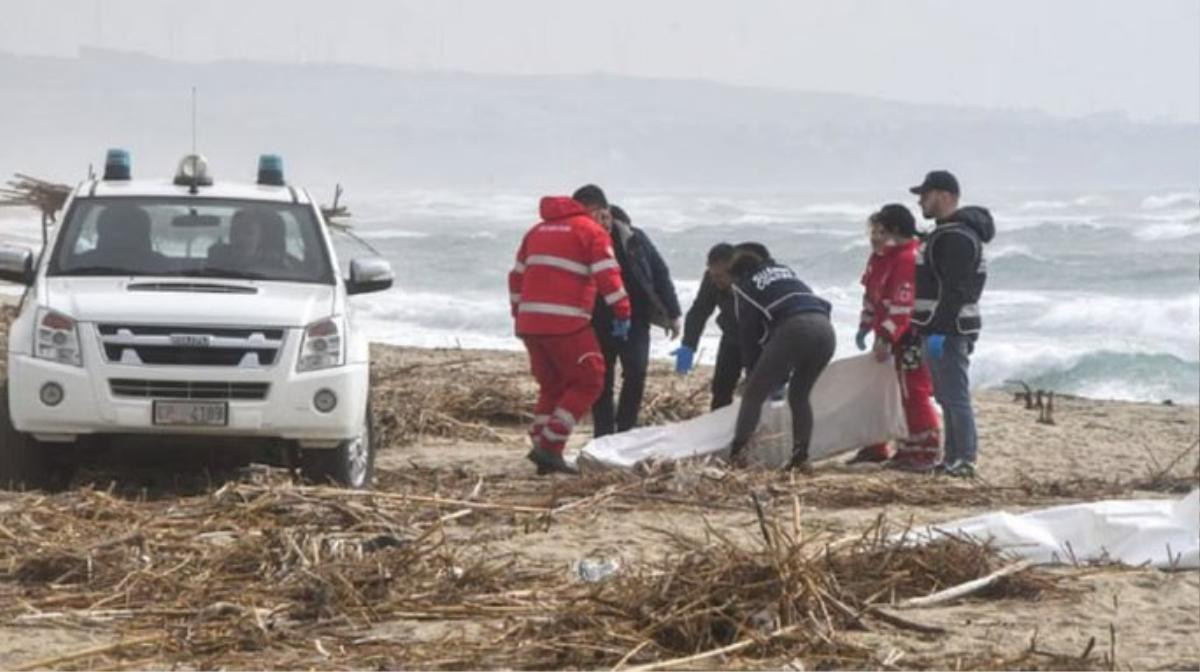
(369, 274)
(16, 265)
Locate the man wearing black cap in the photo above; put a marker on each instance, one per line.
(652, 295)
(951, 272)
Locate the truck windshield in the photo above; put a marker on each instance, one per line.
(192, 238)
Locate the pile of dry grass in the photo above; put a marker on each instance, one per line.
(470, 398)
(460, 399)
(27, 191)
(272, 575)
(785, 599)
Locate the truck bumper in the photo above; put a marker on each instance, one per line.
(90, 406)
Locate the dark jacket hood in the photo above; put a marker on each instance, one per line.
(558, 207)
(978, 219)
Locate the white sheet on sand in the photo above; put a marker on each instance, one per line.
(856, 402)
(1164, 533)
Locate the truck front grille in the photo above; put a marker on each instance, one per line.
(162, 345)
(187, 389)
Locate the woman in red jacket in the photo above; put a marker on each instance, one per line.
(888, 296)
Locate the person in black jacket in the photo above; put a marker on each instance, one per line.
(652, 294)
(785, 333)
(715, 294)
(951, 273)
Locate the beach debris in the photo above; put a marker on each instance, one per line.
(25, 190)
(253, 574)
(1026, 393)
(595, 570)
(1046, 411)
(469, 399)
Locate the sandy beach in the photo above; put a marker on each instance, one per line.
(453, 462)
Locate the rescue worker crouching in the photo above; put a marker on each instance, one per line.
(563, 263)
(786, 337)
(715, 294)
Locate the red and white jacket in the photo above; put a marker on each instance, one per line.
(889, 291)
(562, 263)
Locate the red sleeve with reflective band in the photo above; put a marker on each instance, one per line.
(606, 271)
(898, 296)
(516, 277)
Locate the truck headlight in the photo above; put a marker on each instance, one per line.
(323, 346)
(56, 338)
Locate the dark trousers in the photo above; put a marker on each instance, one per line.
(634, 356)
(800, 347)
(727, 372)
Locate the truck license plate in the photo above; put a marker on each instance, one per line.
(192, 413)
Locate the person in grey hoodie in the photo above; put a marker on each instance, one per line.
(950, 276)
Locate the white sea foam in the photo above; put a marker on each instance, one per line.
(1013, 251)
(1181, 199)
(390, 234)
(1167, 230)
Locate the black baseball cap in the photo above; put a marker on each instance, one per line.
(942, 180)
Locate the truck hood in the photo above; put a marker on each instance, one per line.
(190, 301)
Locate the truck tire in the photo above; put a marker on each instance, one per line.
(25, 462)
(350, 465)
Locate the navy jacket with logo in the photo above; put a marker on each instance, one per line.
(765, 298)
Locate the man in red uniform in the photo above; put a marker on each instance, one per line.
(887, 311)
(562, 263)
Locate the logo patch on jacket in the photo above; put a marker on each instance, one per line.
(905, 293)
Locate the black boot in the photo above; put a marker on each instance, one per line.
(799, 462)
(737, 454)
(550, 463)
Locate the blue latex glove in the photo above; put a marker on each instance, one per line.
(684, 359)
(934, 344)
(860, 339)
(620, 329)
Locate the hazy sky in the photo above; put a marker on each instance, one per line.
(1074, 57)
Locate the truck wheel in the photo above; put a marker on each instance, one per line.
(25, 462)
(350, 465)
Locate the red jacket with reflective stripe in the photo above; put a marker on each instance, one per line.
(562, 263)
(888, 294)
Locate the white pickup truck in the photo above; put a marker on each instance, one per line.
(188, 311)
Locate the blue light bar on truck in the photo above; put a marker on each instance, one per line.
(270, 170)
(117, 165)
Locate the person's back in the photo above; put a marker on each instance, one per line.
(786, 336)
(560, 265)
(766, 295)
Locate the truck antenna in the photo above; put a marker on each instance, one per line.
(195, 159)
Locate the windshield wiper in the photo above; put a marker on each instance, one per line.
(222, 273)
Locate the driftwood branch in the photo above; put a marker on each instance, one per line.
(964, 589)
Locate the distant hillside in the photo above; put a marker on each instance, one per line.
(380, 128)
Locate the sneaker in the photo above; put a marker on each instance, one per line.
(962, 469)
(915, 464)
(550, 463)
(944, 468)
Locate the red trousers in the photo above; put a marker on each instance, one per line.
(916, 390)
(569, 370)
